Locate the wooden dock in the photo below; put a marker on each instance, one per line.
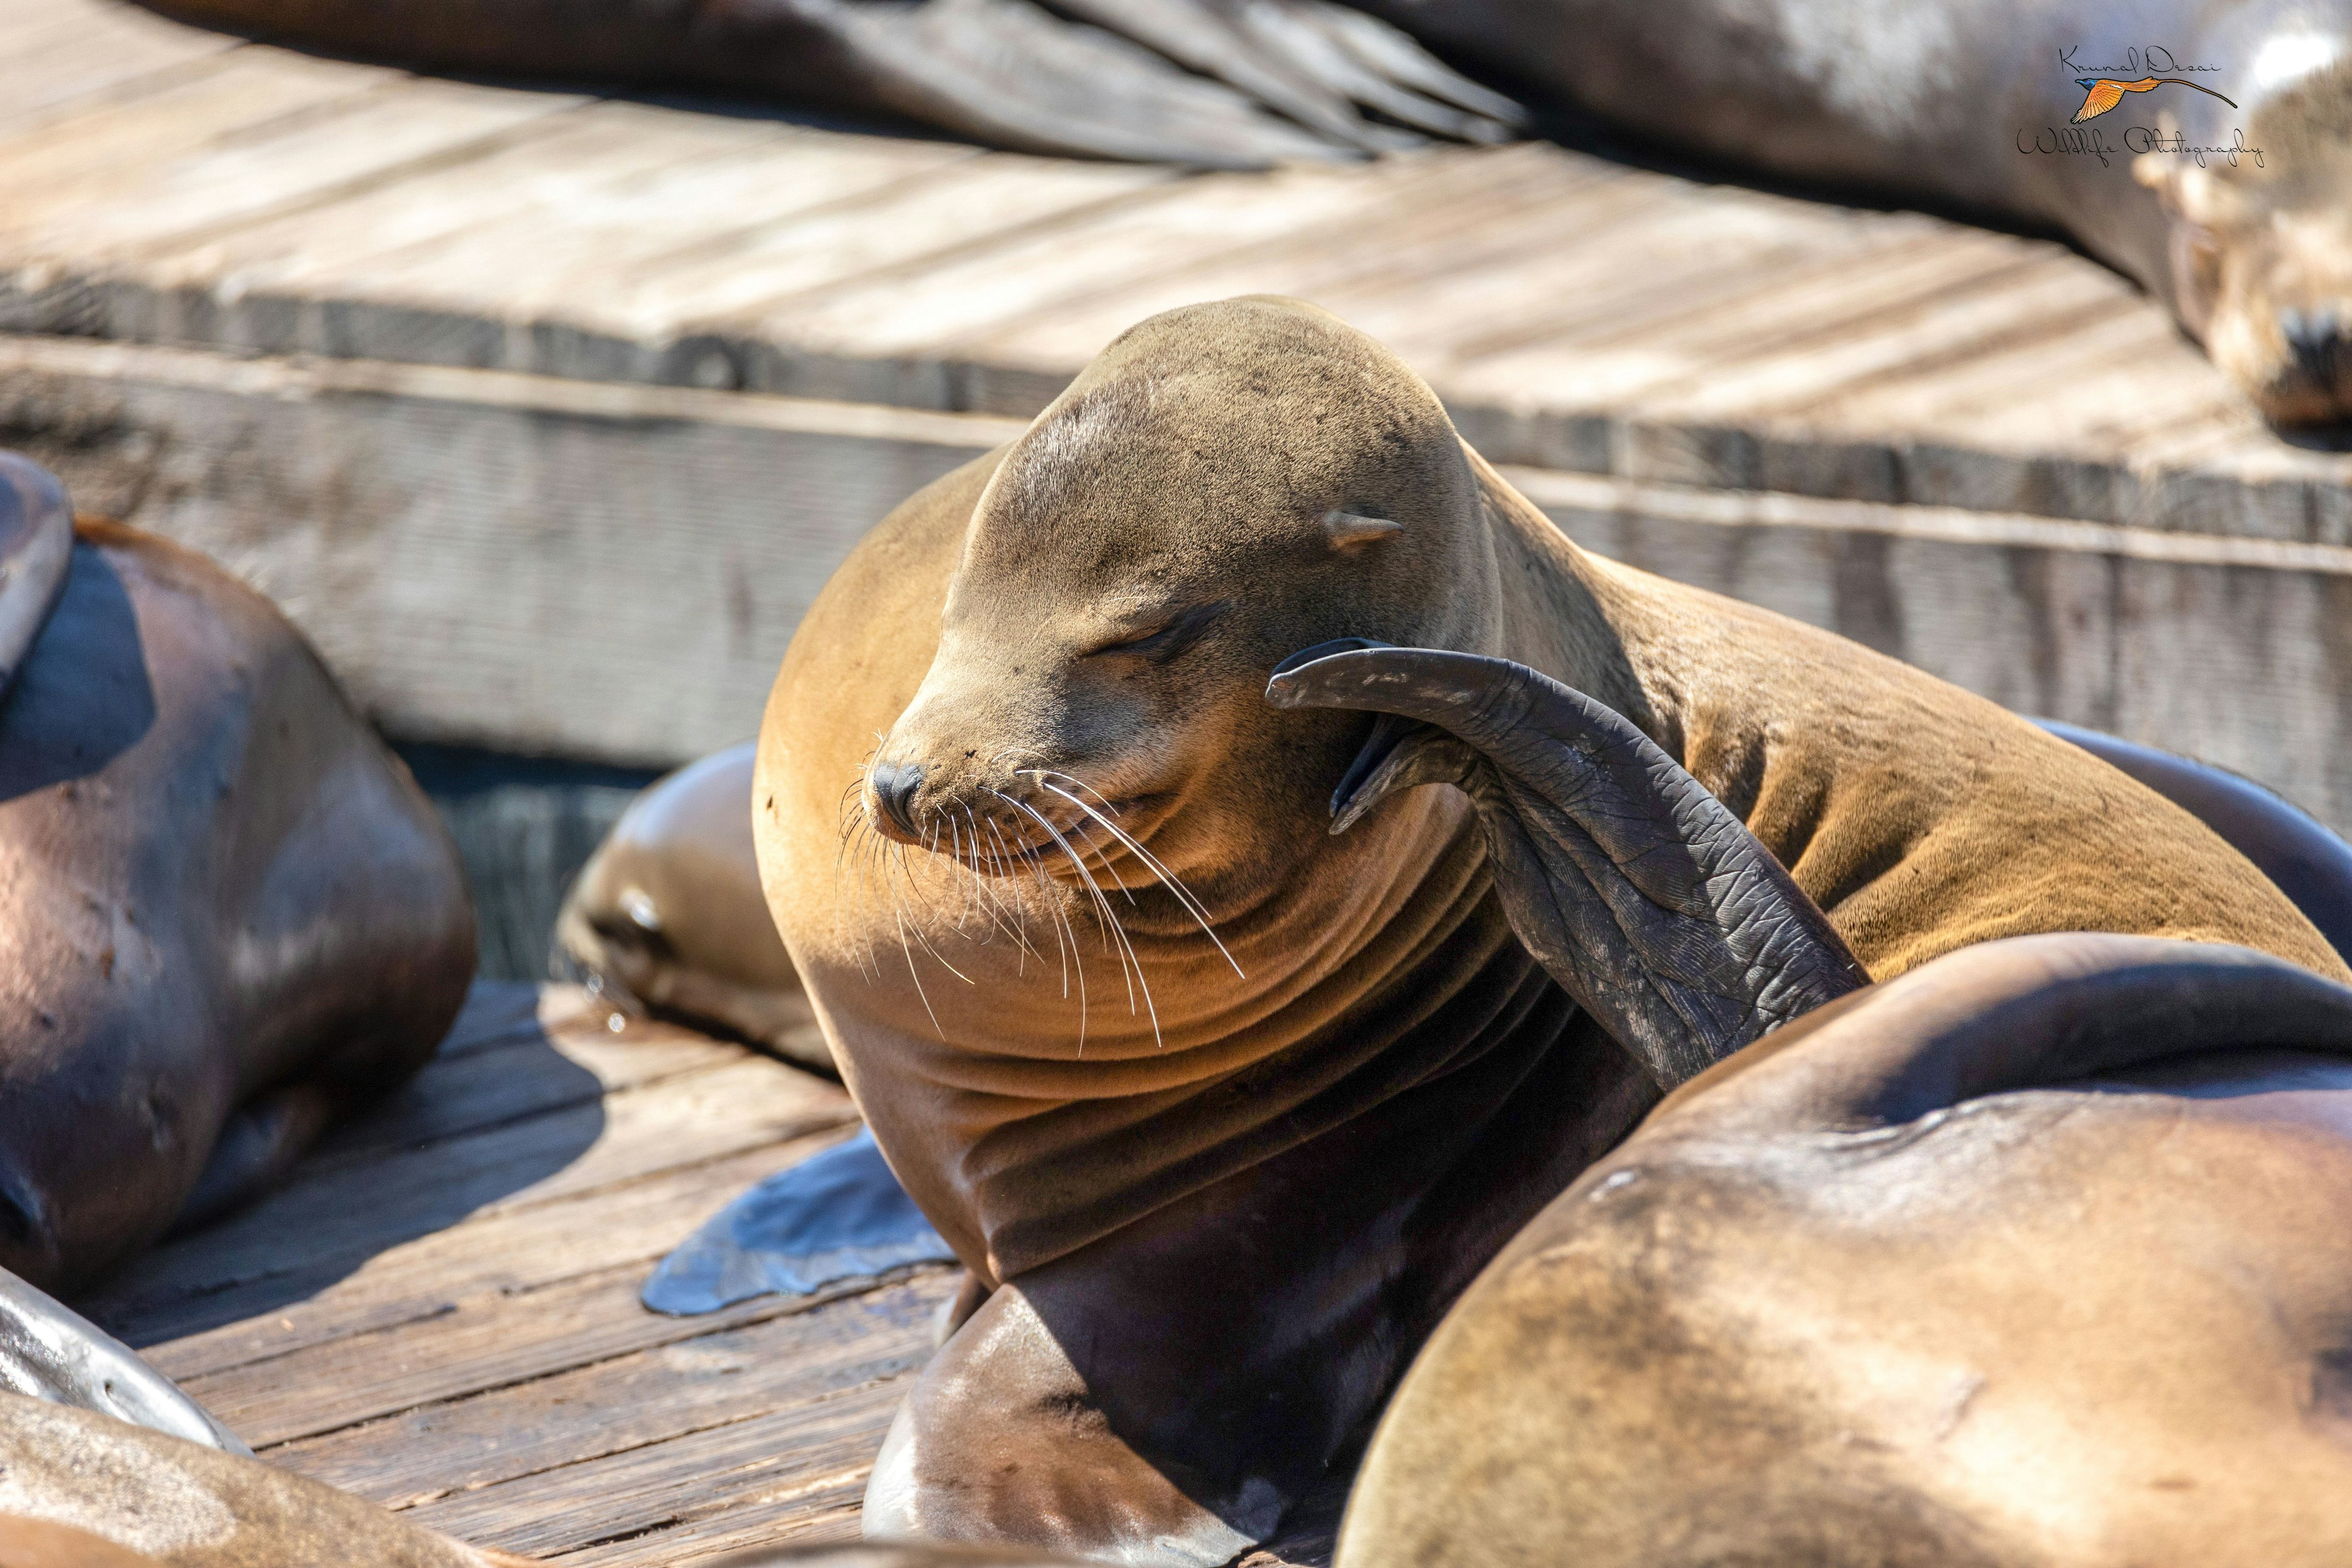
(439, 1310)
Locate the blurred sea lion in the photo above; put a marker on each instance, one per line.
(2041, 1253)
(2232, 202)
(1133, 1025)
(70, 1476)
(667, 915)
(232, 915)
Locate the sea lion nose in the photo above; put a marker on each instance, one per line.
(2316, 339)
(895, 784)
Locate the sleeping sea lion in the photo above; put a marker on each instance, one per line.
(2041, 1253)
(231, 912)
(667, 916)
(2201, 147)
(1222, 1111)
(2222, 183)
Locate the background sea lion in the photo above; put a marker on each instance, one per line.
(1339, 1106)
(231, 913)
(668, 914)
(67, 1476)
(2037, 1254)
(49, 1352)
(2230, 197)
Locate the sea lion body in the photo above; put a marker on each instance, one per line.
(1339, 1134)
(2037, 1255)
(231, 912)
(668, 914)
(74, 1477)
(2228, 198)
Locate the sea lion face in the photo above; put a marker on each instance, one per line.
(2262, 251)
(1226, 485)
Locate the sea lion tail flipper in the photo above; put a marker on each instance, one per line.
(1649, 901)
(35, 549)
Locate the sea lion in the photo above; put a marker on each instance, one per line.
(2226, 192)
(49, 1352)
(68, 1478)
(104, 1463)
(232, 914)
(1218, 1218)
(2036, 1253)
(667, 915)
(2222, 187)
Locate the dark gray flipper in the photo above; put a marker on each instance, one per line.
(1009, 72)
(36, 547)
(1640, 892)
(839, 1215)
(47, 1351)
(1229, 84)
(1317, 63)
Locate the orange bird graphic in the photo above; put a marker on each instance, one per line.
(2106, 92)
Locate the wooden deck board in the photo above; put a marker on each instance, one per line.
(439, 1310)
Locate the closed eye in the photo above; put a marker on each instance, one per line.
(1169, 638)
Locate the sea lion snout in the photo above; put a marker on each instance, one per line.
(894, 787)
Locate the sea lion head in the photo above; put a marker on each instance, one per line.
(2260, 247)
(1225, 485)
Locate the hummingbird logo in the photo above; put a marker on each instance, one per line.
(2103, 93)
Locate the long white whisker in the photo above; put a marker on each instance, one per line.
(1130, 967)
(1168, 880)
(1064, 929)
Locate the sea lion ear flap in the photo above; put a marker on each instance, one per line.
(1349, 531)
(37, 539)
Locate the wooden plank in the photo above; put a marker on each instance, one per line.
(114, 151)
(1959, 323)
(656, 1395)
(348, 1213)
(312, 1303)
(816, 1453)
(892, 233)
(1785, 309)
(902, 313)
(489, 1088)
(485, 1342)
(826, 1511)
(55, 59)
(1396, 215)
(297, 159)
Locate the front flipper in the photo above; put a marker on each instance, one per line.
(1640, 892)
